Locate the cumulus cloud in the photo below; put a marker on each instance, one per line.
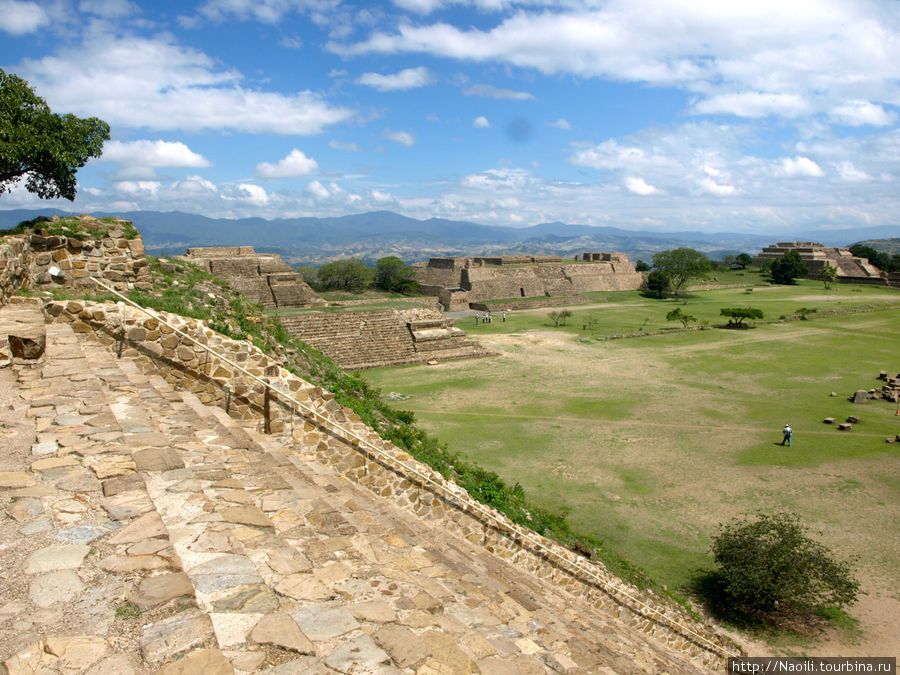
(409, 78)
(859, 113)
(561, 123)
(21, 18)
(851, 174)
(294, 165)
(800, 166)
(254, 194)
(158, 84)
(765, 58)
(339, 145)
(400, 137)
(481, 122)
(639, 187)
(490, 91)
(145, 153)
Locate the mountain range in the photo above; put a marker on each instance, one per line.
(313, 241)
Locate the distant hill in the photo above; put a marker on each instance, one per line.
(382, 233)
(890, 246)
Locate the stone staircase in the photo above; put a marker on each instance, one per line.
(380, 338)
(143, 531)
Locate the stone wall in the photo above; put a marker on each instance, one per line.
(44, 261)
(383, 338)
(262, 278)
(461, 281)
(818, 256)
(336, 436)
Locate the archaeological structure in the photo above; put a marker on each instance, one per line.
(262, 278)
(462, 282)
(176, 501)
(818, 256)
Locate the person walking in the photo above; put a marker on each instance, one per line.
(786, 434)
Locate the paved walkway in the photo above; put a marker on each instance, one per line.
(141, 531)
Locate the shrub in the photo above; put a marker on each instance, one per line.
(769, 566)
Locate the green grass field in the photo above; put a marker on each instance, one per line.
(649, 443)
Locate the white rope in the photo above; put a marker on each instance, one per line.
(482, 510)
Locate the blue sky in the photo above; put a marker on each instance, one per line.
(765, 116)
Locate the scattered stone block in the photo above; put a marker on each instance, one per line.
(28, 347)
(834, 393)
(828, 420)
(853, 419)
(861, 396)
(845, 426)
(883, 375)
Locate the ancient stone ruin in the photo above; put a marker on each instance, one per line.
(460, 282)
(149, 525)
(66, 252)
(383, 338)
(818, 256)
(262, 278)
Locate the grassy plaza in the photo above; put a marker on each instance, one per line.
(648, 443)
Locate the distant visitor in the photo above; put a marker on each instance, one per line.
(786, 434)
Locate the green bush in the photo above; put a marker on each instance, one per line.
(768, 567)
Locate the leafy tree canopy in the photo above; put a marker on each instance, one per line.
(641, 266)
(677, 315)
(349, 274)
(737, 315)
(658, 282)
(880, 259)
(680, 265)
(40, 145)
(787, 268)
(392, 274)
(769, 565)
(743, 259)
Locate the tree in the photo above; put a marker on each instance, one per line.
(392, 274)
(40, 145)
(658, 282)
(737, 315)
(742, 260)
(828, 275)
(787, 268)
(769, 565)
(677, 315)
(641, 266)
(349, 274)
(559, 317)
(680, 265)
(310, 275)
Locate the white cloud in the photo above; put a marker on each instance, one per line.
(21, 18)
(561, 123)
(639, 187)
(400, 137)
(490, 91)
(380, 197)
(265, 11)
(133, 187)
(800, 166)
(409, 78)
(859, 113)
(851, 174)
(317, 190)
(254, 194)
(766, 58)
(481, 123)
(712, 187)
(418, 6)
(157, 84)
(754, 104)
(146, 153)
(294, 165)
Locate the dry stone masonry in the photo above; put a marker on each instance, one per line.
(383, 338)
(108, 249)
(818, 256)
(261, 278)
(459, 282)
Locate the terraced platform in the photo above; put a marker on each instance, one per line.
(142, 531)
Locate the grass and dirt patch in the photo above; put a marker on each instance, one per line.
(647, 445)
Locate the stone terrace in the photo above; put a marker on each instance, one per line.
(383, 338)
(244, 553)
